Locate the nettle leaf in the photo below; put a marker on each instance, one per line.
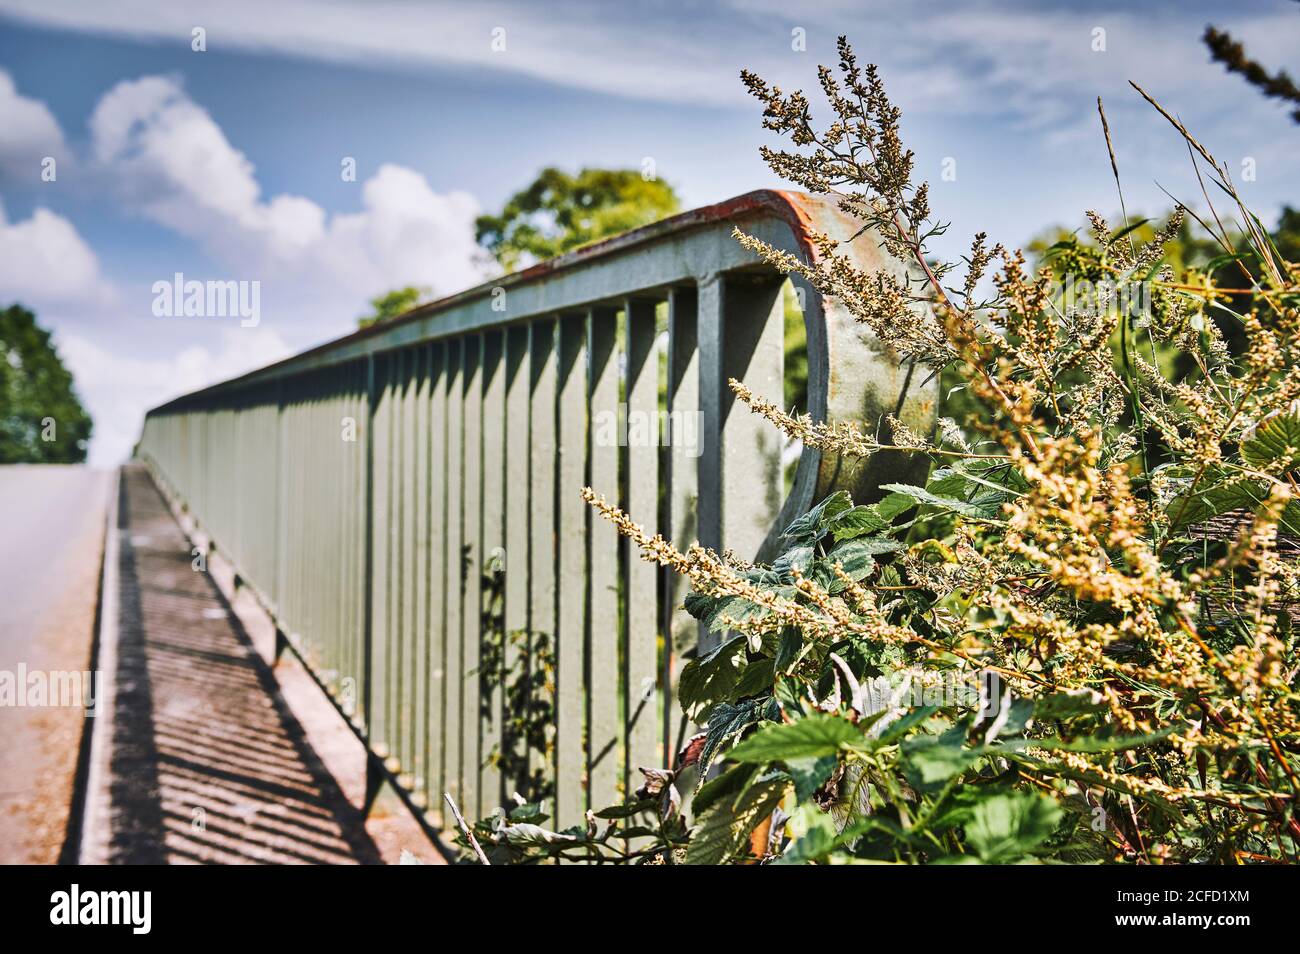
(616, 812)
(852, 798)
(726, 721)
(733, 610)
(757, 679)
(1214, 495)
(812, 526)
(706, 681)
(787, 649)
(812, 737)
(857, 522)
(699, 605)
(1276, 443)
(796, 558)
(810, 774)
(905, 723)
(528, 812)
(1007, 827)
(871, 518)
(856, 557)
(1290, 522)
(724, 830)
(923, 496)
(931, 760)
(726, 786)
(948, 482)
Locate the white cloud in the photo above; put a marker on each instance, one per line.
(31, 133)
(172, 162)
(118, 388)
(44, 260)
(168, 160)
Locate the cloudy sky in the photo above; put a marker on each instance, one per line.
(226, 164)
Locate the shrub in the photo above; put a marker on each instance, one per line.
(1075, 641)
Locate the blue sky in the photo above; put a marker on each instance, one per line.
(225, 164)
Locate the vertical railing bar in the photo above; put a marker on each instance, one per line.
(541, 575)
(492, 537)
(684, 447)
(410, 557)
(454, 673)
(419, 663)
(439, 518)
(471, 621)
(710, 299)
(603, 719)
(571, 595)
(641, 710)
(518, 513)
(380, 497)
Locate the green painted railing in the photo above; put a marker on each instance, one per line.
(404, 500)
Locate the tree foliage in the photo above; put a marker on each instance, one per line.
(41, 419)
(392, 304)
(559, 212)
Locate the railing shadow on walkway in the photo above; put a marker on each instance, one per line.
(207, 763)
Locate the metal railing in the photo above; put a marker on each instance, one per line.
(404, 500)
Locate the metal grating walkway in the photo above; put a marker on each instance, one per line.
(204, 763)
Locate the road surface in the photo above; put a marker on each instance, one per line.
(51, 538)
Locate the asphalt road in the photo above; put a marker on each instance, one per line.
(51, 537)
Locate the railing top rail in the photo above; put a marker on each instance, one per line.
(799, 213)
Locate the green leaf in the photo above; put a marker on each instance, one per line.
(707, 681)
(726, 786)
(810, 527)
(530, 812)
(872, 518)
(930, 760)
(1214, 495)
(905, 723)
(856, 558)
(923, 496)
(893, 504)
(1276, 443)
(615, 812)
(857, 522)
(1131, 227)
(810, 774)
(726, 721)
(811, 737)
(699, 605)
(757, 679)
(723, 830)
(787, 650)
(796, 558)
(1007, 827)
(734, 610)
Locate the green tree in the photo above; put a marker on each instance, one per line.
(559, 212)
(392, 304)
(41, 419)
